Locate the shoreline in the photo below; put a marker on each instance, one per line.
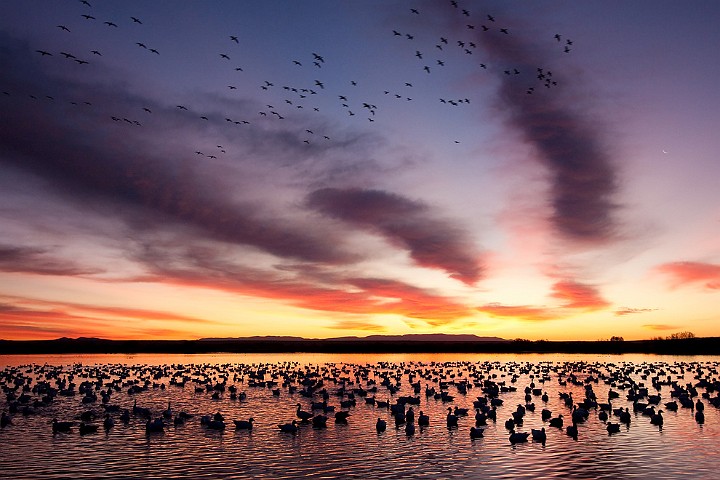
(693, 346)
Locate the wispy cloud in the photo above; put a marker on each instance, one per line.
(23, 317)
(432, 241)
(661, 326)
(583, 180)
(575, 297)
(39, 261)
(632, 311)
(681, 274)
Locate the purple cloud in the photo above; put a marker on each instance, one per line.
(431, 241)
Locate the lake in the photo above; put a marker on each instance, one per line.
(268, 388)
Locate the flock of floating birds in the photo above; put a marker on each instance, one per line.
(473, 394)
(285, 96)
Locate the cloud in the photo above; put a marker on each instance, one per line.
(583, 180)
(357, 325)
(116, 167)
(37, 261)
(630, 311)
(522, 312)
(32, 318)
(575, 296)
(326, 291)
(692, 273)
(431, 241)
(661, 326)
(578, 296)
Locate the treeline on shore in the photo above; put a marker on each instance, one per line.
(688, 346)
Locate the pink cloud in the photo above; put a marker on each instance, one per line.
(688, 273)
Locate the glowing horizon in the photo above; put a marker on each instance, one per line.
(366, 170)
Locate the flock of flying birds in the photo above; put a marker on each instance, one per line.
(283, 98)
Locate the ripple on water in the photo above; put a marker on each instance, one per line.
(356, 450)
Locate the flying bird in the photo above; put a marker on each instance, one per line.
(234, 39)
(224, 56)
(63, 27)
(136, 20)
(43, 52)
(110, 24)
(88, 17)
(154, 51)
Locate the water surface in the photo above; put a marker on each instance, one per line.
(681, 448)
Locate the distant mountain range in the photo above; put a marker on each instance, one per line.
(423, 337)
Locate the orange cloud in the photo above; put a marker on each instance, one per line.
(660, 326)
(523, 312)
(685, 273)
(37, 319)
(578, 296)
(575, 295)
(629, 311)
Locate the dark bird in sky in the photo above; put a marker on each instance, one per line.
(67, 55)
(454, 3)
(319, 84)
(63, 27)
(147, 110)
(409, 37)
(224, 56)
(568, 42)
(43, 52)
(491, 18)
(110, 24)
(81, 62)
(426, 68)
(482, 65)
(319, 58)
(232, 87)
(442, 100)
(297, 63)
(460, 43)
(471, 27)
(418, 54)
(353, 83)
(136, 20)
(95, 52)
(408, 84)
(85, 2)
(567, 49)
(238, 69)
(88, 17)
(557, 37)
(234, 39)
(139, 44)
(269, 84)
(317, 64)
(395, 32)
(441, 63)
(204, 117)
(443, 40)
(466, 13)
(342, 97)
(468, 52)
(485, 29)
(438, 46)
(181, 107)
(310, 132)
(504, 30)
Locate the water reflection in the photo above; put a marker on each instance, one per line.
(539, 396)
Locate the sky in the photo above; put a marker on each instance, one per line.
(180, 170)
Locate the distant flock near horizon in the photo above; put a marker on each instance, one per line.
(32, 390)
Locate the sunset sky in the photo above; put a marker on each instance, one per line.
(329, 168)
